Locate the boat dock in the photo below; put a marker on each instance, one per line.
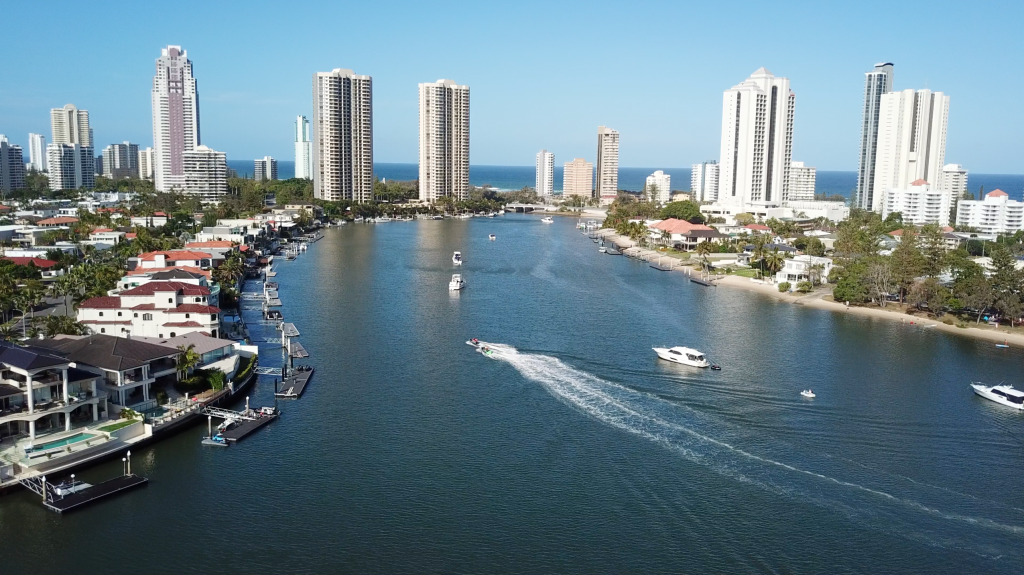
(55, 501)
(246, 427)
(243, 423)
(294, 384)
(702, 282)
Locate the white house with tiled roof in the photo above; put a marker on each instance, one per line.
(175, 259)
(995, 214)
(153, 309)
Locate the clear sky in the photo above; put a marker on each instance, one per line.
(542, 74)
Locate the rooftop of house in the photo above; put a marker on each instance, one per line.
(674, 226)
(996, 194)
(58, 221)
(106, 351)
(145, 271)
(38, 262)
(28, 358)
(175, 255)
(758, 227)
(919, 182)
(211, 244)
(153, 287)
(174, 274)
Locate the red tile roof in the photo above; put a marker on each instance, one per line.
(151, 288)
(38, 262)
(217, 244)
(143, 306)
(105, 302)
(193, 269)
(175, 255)
(183, 324)
(996, 193)
(675, 226)
(919, 183)
(759, 227)
(193, 308)
(130, 235)
(159, 214)
(100, 230)
(58, 221)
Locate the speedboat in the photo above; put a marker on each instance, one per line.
(807, 393)
(457, 258)
(457, 282)
(548, 220)
(215, 441)
(602, 249)
(492, 237)
(683, 355)
(1004, 394)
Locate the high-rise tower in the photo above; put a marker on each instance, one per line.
(607, 164)
(444, 140)
(876, 82)
(175, 116)
(303, 149)
(343, 136)
(545, 184)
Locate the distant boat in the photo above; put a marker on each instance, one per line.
(457, 283)
(548, 220)
(808, 393)
(492, 237)
(683, 355)
(457, 258)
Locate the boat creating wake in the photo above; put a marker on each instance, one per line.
(883, 501)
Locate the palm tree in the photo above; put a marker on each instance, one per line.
(774, 260)
(53, 325)
(187, 359)
(759, 241)
(703, 249)
(8, 332)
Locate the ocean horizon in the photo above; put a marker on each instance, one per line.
(508, 178)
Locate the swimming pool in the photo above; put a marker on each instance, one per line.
(64, 442)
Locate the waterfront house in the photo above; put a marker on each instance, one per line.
(799, 269)
(214, 353)
(183, 275)
(154, 309)
(683, 234)
(154, 221)
(219, 248)
(174, 259)
(42, 391)
(127, 368)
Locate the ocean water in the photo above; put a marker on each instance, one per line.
(573, 449)
(515, 177)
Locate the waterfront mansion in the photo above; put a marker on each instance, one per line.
(153, 309)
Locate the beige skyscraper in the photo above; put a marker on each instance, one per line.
(70, 154)
(607, 164)
(70, 126)
(444, 140)
(578, 178)
(342, 136)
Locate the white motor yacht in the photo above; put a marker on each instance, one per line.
(457, 282)
(548, 220)
(808, 393)
(492, 237)
(683, 355)
(457, 258)
(1004, 394)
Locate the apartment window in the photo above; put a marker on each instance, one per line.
(103, 330)
(101, 314)
(147, 317)
(172, 334)
(118, 314)
(213, 316)
(135, 315)
(169, 300)
(187, 316)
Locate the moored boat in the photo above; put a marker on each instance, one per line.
(1003, 394)
(457, 258)
(683, 355)
(457, 283)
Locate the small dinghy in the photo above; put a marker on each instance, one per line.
(807, 393)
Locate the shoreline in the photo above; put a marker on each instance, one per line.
(816, 299)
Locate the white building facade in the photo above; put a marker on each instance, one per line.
(911, 141)
(660, 184)
(37, 152)
(153, 309)
(205, 174)
(919, 203)
(71, 166)
(265, 168)
(175, 100)
(757, 141)
(545, 178)
(995, 214)
(954, 179)
(802, 180)
(343, 136)
(303, 149)
(444, 140)
(146, 164)
(876, 83)
(578, 178)
(704, 181)
(607, 164)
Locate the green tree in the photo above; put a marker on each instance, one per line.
(684, 210)
(975, 293)
(907, 262)
(188, 359)
(744, 219)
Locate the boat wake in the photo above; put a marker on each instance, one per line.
(878, 500)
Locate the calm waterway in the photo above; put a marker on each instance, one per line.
(582, 452)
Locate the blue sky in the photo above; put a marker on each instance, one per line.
(542, 74)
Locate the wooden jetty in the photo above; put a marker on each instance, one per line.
(702, 282)
(294, 383)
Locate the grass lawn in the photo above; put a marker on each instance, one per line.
(116, 426)
(745, 272)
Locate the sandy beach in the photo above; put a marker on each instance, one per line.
(821, 299)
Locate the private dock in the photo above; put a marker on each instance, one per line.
(246, 427)
(702, 282)
(294, 384)
(242, 423)
(55, 501)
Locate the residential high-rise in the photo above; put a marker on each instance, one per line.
(444, 140)
(802, 180)
(205, 174)
(265, 169)
(70, 126)
(175, 100)
(607, 164)
(70, 166)
(37, 152)
(146, 164)
(954, 179)
(911, 141)
(12, 166)
(660, 184)
(757, 141)
(919, 203)
(121, 161)
(996, 213)
(342, 136)
(876, 83)
(545, 173)
(303, 149)
(578, 178)
(704, 181)
(98, 165)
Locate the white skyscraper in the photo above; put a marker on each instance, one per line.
(757, 141)
(343, 136)
(146, 164)
(704, 181)
(876, 83)
(545, 173)
(205, 174)
(37, 152)
(607, 164)
(175, 116)
(911, 141)
(444, 140)
(802, 180)
(578, 178)
(265, 168)
(661, 184)
(70, 126)
(954, 179)
(303, 149)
